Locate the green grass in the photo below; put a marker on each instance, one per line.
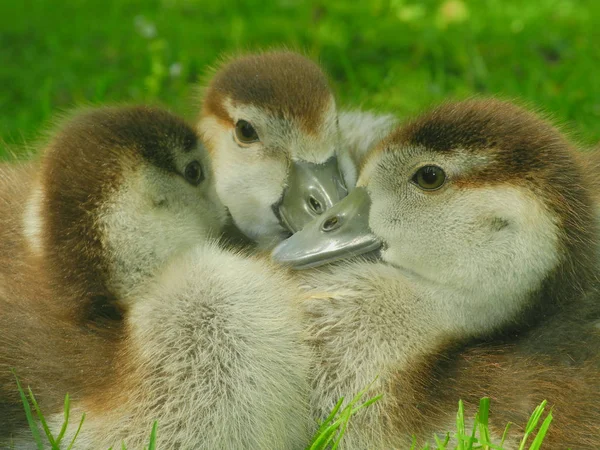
(331, 431)
(55, 442)
(391, 55)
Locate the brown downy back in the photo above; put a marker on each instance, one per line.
(48, 353)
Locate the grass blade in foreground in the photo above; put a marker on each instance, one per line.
(327, 431)
(479, 438)
(481, 424)
(30, 420)
(332, 430)
(53, 441)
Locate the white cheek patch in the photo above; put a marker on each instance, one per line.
(248, 180)
(141, 231)
(33, 223)
(531, 247)
(249, 186)
(483, 250)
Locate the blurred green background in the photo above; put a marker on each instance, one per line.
(390, 55)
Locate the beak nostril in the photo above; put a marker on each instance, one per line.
(315, 205)
(331, 224)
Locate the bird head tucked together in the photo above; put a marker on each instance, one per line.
(270, 125)
(480, 197)
(120, 191)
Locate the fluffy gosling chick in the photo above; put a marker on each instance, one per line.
(211, 349)
(114, 194)
(486, 283)
(119, 191)
(271, 126)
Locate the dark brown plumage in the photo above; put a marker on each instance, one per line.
(83, 164)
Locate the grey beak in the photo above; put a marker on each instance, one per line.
(312, 190)
(341, 232)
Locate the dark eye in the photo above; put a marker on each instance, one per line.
(193, 173)
(429, 178)
(245, 132)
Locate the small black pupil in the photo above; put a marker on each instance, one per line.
(193, 171)
(247, 130)
(429, 175)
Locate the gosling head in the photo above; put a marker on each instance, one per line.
(270, 125)
(120, 191)
(480, 197)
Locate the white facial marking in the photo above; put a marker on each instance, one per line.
(152, 217)
(251, 178)
(491, 246)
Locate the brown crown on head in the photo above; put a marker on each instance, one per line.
(83, 164)
(284, 83)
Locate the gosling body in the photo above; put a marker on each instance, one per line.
(486, 284)
(128, 304)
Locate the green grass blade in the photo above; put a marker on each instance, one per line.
(440, 445)
(77, 432)
(335, 409)
(63, 429)
(446, 440)
(414, 443)
(367, 403)
(30, 420)
(484, 414)
(42, 419)
(532, 423)
(324, 437)
(472, 439)
(327, 422)
(481, 424)
(505, 434)
(344, 420)
(152, 444)
(535, 417)
(331, 430)
(460, 425)
(541, 435)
